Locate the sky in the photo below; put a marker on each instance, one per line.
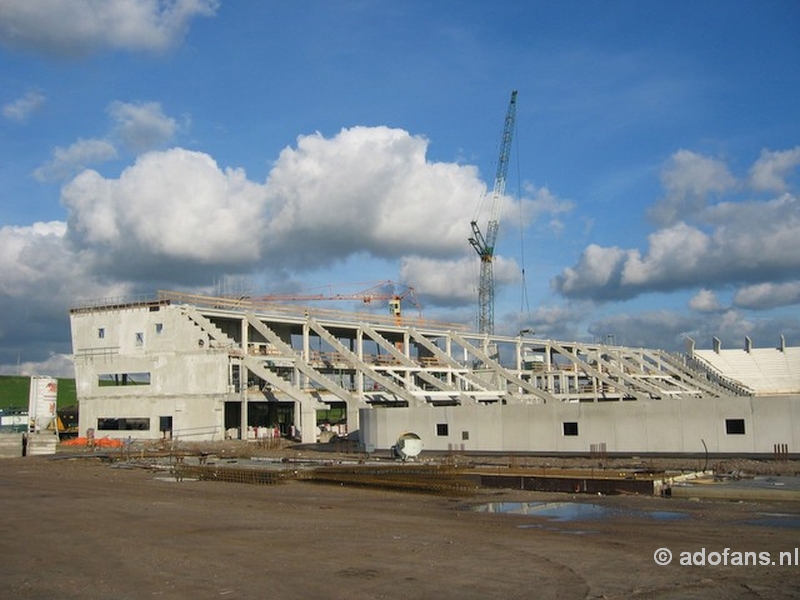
(269, 147)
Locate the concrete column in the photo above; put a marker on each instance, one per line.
(306, 417)
(353, 424)
(243, 378)
(243, 416)
(358, 374)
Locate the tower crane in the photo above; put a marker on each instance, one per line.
(382, 291)
(484, 245)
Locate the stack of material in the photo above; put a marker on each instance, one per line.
(42, 443)
(10, 445)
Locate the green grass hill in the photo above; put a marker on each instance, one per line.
(14, 390)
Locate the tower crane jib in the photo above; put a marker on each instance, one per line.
(485, 244)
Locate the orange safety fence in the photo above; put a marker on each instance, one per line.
(104, 442)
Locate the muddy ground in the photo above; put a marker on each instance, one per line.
(85, 528)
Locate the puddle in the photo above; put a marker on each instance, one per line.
(777, 520)
(557, 529)
(575, 511)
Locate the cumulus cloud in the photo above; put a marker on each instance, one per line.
(705, 301)
(143, 126)
(138, 127)
(454, 282)
(20, 109)
(688, 179)
(561, 321)
(734, 242)
(76, 157)
(770, 170)
(42, 276)
(367, 189)
(55, 365)
(169, 207)
(79, 27)
(597, 274)
(653, 329)
(40, 266)
(768, 295)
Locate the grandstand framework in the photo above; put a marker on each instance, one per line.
(201, 367)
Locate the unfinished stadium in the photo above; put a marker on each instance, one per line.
(205, 368)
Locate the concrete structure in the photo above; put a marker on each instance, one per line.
(203, 368)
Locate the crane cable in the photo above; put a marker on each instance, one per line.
(524, 305)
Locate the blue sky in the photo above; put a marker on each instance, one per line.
(270, 147)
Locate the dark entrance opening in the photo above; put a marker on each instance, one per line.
(165, 427)
(261, 414)
(271, 414)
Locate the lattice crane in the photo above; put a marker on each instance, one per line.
(484, 245)
(393, 293)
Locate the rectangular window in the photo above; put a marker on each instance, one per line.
(734, 426)
(101, 333)
(159, 328)
(442, 429)
(570, 427)
(125, 424)
(465, 435)
(119, 379)
(140, 338)
(236, 381)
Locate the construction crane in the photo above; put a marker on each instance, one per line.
(378, 292)
(484, 245)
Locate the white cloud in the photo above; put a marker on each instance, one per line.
(39, 266)
(673, 254)
(20, 109)
(138, 127)
(770, 170)
(368, 189)
(176, 205)
(143, 126)
(768, 295)
(443, 282)
(43, 275)
(560, 322)
(55, 365)
(688, 179)
(367, 192)
(68, 161)
(651, 329)
(20, 266)
(454, 282)
(732, 243)
(79, 27)
(598, 271)
(705, 301)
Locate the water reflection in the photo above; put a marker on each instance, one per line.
(575, 511)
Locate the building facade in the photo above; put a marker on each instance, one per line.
(209, 368)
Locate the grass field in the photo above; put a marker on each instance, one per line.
(14, 392)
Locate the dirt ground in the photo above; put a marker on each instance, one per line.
(84, 528)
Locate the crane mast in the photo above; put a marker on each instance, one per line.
(484, 245)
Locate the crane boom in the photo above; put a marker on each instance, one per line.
(393, 293)
(484, 245)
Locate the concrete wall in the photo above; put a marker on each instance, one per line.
(194, 418)
(658, 426)
(177, 354)
(10, 445)
(189, 378)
